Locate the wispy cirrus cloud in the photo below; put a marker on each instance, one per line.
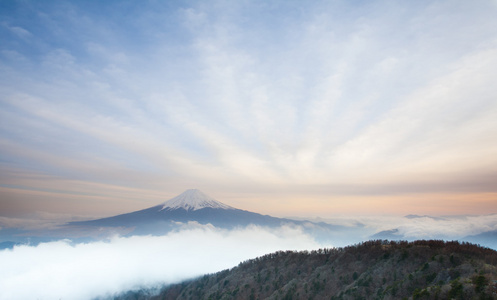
(374, 95)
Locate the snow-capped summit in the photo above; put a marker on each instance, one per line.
(193, 200)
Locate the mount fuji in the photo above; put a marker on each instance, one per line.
(190, 209)
(193, 206)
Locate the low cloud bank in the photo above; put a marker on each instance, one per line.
(61, 270)
(422, 227)
(455, 227)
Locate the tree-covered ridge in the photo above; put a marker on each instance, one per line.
(371, 270)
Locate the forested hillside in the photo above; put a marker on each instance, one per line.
(370, 270)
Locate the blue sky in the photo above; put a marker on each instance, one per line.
(281, 107)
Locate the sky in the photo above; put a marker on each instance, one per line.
(287, 108)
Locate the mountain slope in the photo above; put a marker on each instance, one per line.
(371, 270)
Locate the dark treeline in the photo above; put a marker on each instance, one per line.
(489, 255)
(378, 269)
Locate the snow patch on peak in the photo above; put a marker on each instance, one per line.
(193, 200)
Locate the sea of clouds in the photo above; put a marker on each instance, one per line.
(63, 270)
